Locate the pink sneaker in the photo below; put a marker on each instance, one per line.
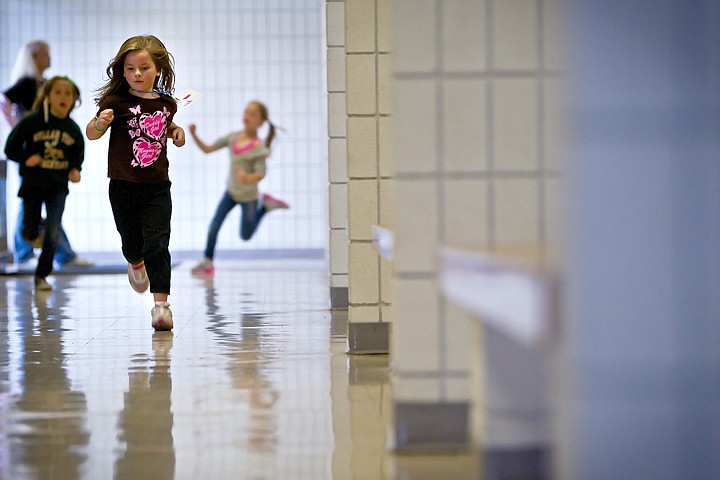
(272, 203)
(205, 267)
(138, 277)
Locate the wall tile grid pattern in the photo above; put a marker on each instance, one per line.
(337, 143)
(476, 135)
(232, 52)
(369, 170)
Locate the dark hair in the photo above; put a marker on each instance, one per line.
(47, 86)
(264, 115)
(163, 60)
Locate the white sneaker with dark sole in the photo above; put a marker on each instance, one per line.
(162, 317)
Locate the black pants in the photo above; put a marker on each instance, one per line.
(54, 200)
(142, 216)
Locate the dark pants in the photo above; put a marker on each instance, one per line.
(24, 250)
(251, 216)
(142, 216)
(54, 200)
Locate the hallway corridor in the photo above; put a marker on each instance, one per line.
(252, 383)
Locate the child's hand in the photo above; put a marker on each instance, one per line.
(74, 175)
(192, 128)
(105, 118)
(178, 136)
(33, 161)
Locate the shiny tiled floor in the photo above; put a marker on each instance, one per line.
(252, 383)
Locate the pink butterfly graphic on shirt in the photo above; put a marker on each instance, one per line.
(149, 137)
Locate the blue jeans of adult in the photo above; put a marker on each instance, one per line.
(251, 215)
(54, 200)
(24, 250)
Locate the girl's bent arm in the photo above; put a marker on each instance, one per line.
(97, 126)
(202, 145)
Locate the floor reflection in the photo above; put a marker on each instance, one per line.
(146, 421)
(249, 362)
(252, 383)
(46, 417)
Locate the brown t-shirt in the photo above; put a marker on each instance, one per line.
(138, 137)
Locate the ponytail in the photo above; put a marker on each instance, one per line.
(264, 115)
(271, 134)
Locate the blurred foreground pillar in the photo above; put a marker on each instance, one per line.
(640, 356)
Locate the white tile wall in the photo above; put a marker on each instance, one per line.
(514, 34)
(339, 256)
(415, 105)
(465, 36)
(386, 202)
(361, 84)
(362, 208)
(337, 157)
(475, 134)
(338, 206)
(360, 26)
(384, 38)
(385, 146)
(368, 105)
(465, 125)
(555, 128)
(386, 276)
(336, 69)
(466, 212)
(415, 225)
(414, 341)
(384, 84)
(335, 23)
(457, 332)
(414, 53)
(364, 281)
(362, 146)
(553, 35)
(515, 124)
(516, 212)
(337, 144)
(336, 115)
(416, 389)
(232, 53)
(363, 313)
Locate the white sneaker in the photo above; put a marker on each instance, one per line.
(41, 285)
(161, 317)
(138, 278)
(79, 262)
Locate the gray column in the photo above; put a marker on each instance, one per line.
(641, 338)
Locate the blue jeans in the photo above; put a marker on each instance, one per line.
(54, 200)
(24, 251)
(251, 216)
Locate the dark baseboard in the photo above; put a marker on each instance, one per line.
(368, 338)
(339, 298)
(431, 427)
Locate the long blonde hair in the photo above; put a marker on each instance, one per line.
(25, 64)
(163, 60)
